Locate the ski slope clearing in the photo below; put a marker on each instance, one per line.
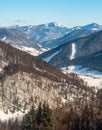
(74, 51)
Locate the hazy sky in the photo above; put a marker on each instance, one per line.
(67, 12)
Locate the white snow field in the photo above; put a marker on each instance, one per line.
(6, 116)
(92, 77)
(74, 51)
(30, 50)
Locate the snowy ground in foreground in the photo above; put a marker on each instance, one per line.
(6, 116)
(92, 77)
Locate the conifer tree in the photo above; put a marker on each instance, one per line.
(85, 120)
(41, 120)
(29, 120)
(47, 117)
(39, 114)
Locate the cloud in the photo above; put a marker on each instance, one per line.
(21, 22)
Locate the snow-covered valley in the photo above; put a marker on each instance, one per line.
(92, 77)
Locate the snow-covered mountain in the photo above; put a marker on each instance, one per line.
(21, 41)
(92, 26)
(26, 80)
(85, 52)
(51, 35)
(76, 33)
(70, 52)
(73, 33)
(43, 32)
(48, 33)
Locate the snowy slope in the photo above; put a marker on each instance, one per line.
(21, 41)
(92, 77)
(50, 57)
(74, 51)
(92, 26)
(30, 50)
(6, 116)
(43, 32)
(3, 39)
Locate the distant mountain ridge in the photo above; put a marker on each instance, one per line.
(36, 39)
(73, 33)
(92, 26)
(20, 40)
(43, 32)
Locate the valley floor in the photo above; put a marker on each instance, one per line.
(92, 77)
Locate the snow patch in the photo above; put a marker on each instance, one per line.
(29, 50)
(94, 80)
(46, 25)
(44, 49)
(4, 38)
(76, 28)
(1, 70)
(74, 50)
(50, 57)
(92, 77)
(58, 24)
(67, 32)
(6, 116)
(64, 100)
(94, 29)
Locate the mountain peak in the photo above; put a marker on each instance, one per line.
(93, 26)
(94, 23)
(53, 24)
